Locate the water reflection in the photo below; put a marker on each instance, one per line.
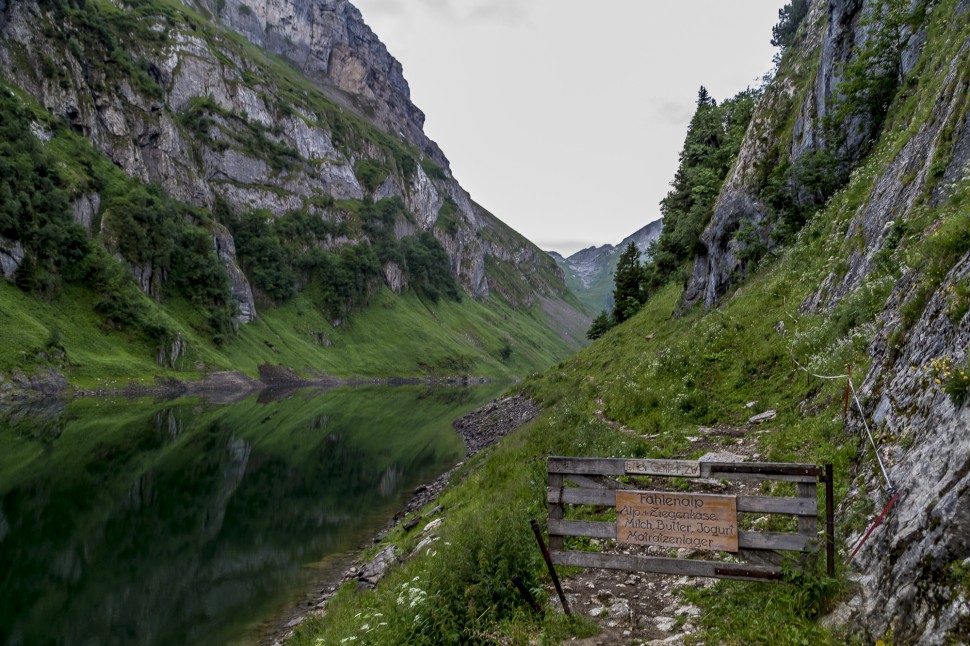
(142, 523)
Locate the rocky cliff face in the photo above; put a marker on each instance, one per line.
(214, 121)
(718, 264)
(911, 577)
(331, 45)
(834, 32)
(910, 581)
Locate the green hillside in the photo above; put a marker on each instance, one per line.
(113, 279)
(395, 336)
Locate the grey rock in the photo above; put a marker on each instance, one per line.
(929, 528)
(619, 609)
(423, 545)
(766, 416)
(148, 280)
(835, 30)
(666, 624)
(11, 255)
(897, 190)
(691, 612)
(598, 611)
(168, 355)
(85, 209)
(242, 291)
(434, 525)
(329, 40)
(394, 277)
(486, 425)
(331, 44)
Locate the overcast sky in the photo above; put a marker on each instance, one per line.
(564, 118)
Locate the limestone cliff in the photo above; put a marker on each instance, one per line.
(175, 98)
(331, 44)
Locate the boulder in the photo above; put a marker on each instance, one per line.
(375, 570)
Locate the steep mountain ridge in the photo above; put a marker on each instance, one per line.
(317, 127)
(330, 44)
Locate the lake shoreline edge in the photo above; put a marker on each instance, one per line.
(480, 429)
(221, 387)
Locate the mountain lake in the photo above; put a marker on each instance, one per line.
(185, 522)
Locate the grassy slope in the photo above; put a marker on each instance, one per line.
(660, 374)
(395, 336)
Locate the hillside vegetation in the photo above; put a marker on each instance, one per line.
(812, 258)
(175, 200)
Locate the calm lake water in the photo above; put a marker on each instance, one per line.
(139, 522)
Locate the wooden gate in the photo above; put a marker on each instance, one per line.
(682, 519)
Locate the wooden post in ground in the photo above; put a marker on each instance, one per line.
(829, 521)
(552, 569)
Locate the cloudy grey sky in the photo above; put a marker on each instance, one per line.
(565, 117)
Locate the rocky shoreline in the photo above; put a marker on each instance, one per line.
(479, 429)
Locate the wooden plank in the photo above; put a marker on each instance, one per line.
(617, 466)
(754, 504)
(661, 565)
(727, 470)
(594, 482)
(808, 526)
(587, 466)
(762, 557)
(668, 468)
(587, 528)
(751, 477)
(668, 519)
(767, 468)
(775, 541)
(555, 508)
(778, 505)
(572, 496)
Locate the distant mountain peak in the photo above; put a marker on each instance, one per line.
(589, 272)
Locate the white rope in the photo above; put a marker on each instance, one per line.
(855, 397)
(872, 440)
(791, 353)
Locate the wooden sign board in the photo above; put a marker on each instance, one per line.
(677, 519)
(682, 468)
(666, 519)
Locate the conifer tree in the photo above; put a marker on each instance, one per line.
(600, 326)
(703, 98)
(789, 18)
(628, 293)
